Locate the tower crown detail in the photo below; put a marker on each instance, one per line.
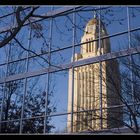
(92, 33)
(92, 22)
(92, 27)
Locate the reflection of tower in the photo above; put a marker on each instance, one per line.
(87, 84)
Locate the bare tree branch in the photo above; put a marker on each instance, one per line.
(18, 28)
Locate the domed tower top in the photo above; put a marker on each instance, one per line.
(92, 27)
(92, 22)
(92, 33)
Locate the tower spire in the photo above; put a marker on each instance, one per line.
(94, 14)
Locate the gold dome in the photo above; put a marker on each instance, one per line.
(92, 22)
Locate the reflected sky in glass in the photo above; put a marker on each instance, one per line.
(115, 20)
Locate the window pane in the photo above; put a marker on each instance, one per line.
(2, 71)
(58, 86)
(38, 63)
(13, 100)
(62, 32)
(119, 42)
(33, 126)
(40, 38)
(134, 12)
(10, 127)
(135, 39)
(59, 124)
(35, 96)
(1, 95)
(16, 67)
(114, 19)
(61, 57)
(3, 54)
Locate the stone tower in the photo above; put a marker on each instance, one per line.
(87, 85)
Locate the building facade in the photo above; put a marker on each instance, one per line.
(96, 86)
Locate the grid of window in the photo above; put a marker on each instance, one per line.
(48, 84)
